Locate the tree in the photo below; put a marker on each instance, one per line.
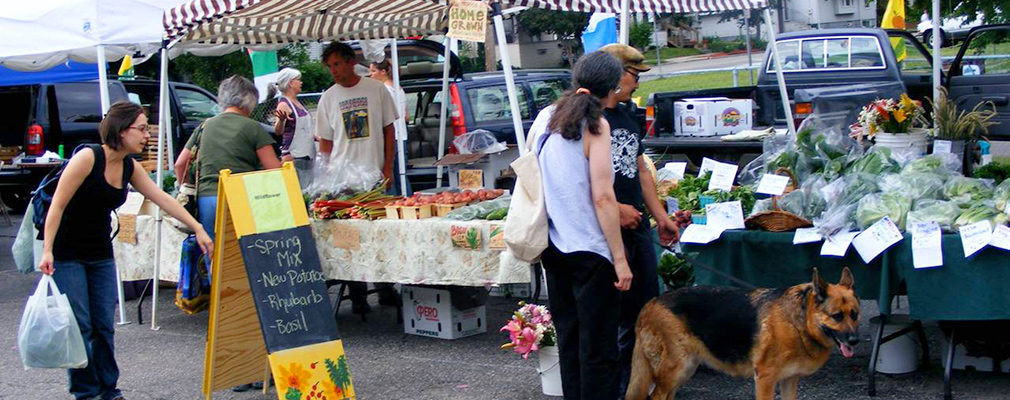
(640, 35)
(566, 25)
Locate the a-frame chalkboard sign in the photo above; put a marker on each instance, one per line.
(269, 303)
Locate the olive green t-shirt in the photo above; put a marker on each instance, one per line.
(228, 141)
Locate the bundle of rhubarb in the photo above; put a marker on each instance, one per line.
(365, 205)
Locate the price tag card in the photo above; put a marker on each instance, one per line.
(926, 249)
(975, 236)
(724, 216)
(837, 245)
(723, 176)
(677, 168)
(807, 235)
(774, 185)
(1001, 237)
(831, 191)
(707, 164)
(877, 238)
(941, 146)
(699, 234)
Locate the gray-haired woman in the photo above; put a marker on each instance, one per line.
(230, 140)
(293, 123)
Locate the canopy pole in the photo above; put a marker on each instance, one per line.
(400, 125)
(103, 80)
(510, 83)
(164, 120)
(778, 73)
(446, 66)
(937, 57)
(625, 25)
(750, 57)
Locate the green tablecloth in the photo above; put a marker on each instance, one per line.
(962, 289)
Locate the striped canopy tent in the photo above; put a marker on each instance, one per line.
(273, 22)
(642, 6)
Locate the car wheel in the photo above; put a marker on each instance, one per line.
(927, 38)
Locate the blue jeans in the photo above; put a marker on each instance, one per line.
(207, 211)
(91, 288)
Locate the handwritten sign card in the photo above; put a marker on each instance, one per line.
(723, 176)
(289, 288)
(707, 164)
(345, 236)
(773, 185)
(838, 244)
(975, 236)
(468, 20)
(699, 234)
(1001, 237)
(877, 238)
(677, 168)
(471, 179)
(927, 251)
(941, 146)
(724, 216)
(807, 235)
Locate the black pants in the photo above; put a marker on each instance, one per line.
(584, 306)
(358, 290)
(641, 253)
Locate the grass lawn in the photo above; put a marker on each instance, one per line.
(710, 80)
(667, 53)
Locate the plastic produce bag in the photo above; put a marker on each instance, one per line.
(872, 208)
(24, 243)
(916, 185)
(980, 212)
(478, 141)
(48, 336)
(836, 219)
(1001, 195)
(943, 212)
(964, 189)
(337, 178)
(876, 161)
(479, 210)
(944, 164)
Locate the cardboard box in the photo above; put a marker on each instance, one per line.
(429, 312)
(716, 116)
(492, 165)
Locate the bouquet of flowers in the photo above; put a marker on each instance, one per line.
(889, 115)
(530, 328)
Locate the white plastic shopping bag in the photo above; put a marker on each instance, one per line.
(48, 336)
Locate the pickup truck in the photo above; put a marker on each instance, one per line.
(41, 117)
(834, 72)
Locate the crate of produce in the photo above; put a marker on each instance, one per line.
(416, 212)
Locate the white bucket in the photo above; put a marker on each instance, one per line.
(912, 145)
(901, 354)
(550, 370)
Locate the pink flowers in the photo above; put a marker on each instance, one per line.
(530, 328)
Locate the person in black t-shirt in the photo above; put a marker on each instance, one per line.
(636, 192)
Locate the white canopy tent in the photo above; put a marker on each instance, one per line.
(41, 35)
(212, 27)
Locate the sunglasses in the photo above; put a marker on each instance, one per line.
(635, 73)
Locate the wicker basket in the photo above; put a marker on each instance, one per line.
(776, 220)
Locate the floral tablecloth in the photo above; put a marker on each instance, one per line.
(398, 251)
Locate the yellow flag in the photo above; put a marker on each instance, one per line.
(894, 18)
(126, 68)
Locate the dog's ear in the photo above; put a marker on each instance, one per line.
(820, 287)
(847, 280)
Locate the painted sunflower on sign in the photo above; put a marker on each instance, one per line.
(293, 380)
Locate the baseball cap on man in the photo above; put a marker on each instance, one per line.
(629, 56)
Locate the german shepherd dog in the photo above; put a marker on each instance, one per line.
(775, 336)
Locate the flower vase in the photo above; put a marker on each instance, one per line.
(911, 145)
(550, 370)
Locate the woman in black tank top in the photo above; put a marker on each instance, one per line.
(78, 243)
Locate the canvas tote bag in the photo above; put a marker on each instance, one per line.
(526, 225)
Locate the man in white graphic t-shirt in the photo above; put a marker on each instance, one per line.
(355, 115)
(354, 122)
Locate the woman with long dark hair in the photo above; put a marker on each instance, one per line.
(585, 262)
(78, 247)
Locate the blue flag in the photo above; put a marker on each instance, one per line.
(601, 31)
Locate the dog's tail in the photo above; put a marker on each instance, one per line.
(641, 372)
